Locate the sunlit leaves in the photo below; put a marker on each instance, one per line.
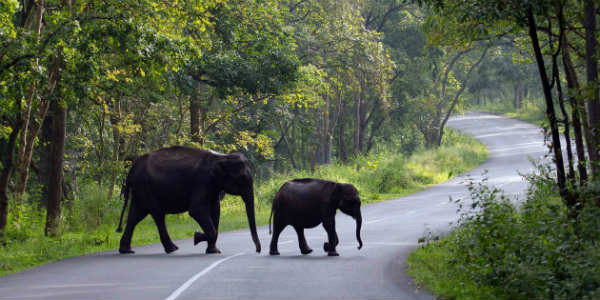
(7, 10)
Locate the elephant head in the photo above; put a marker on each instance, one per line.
(234, 175)
(346, 195)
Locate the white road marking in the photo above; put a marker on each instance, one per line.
(410, 212)
(503, 184)
(374, 221)
(286, 242)
(188, 283)
(393, 244)
(441, 204)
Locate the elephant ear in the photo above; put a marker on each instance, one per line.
(331, 191)
(231, 165)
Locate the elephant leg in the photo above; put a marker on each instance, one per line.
(133, 218)
(329, 247)
(202, 215)
(304, 249)
(278, 227)
(216, 214)
(165, 239)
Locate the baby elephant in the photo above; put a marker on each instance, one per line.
(306, 203)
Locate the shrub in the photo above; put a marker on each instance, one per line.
(532, 251)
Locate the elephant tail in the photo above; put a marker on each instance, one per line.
(125, 193)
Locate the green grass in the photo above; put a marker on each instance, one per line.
(89, 223)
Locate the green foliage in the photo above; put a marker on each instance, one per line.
(89, 221)
(388, 173)
(531, 111)
(501, 251)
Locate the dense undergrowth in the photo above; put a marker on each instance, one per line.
(503, 251)
(89, 222)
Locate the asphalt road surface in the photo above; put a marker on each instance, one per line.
(390, 232)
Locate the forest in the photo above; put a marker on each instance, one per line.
(89, 86)
(86, 87)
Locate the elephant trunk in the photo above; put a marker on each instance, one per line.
(249, 201)
(358, 225)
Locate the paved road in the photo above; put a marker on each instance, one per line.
(390, 232)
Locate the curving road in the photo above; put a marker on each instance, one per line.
(390, 232)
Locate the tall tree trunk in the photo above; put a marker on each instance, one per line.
(364, 123)
(343, 155)
(56, 173)
(576, 107)
(289, 147)
(59, 111)
(326, 135)
(24, 157)
(374, 128)
(45, 152)
(195, 118)
(115, 119)
(7, 168)
(517, 102)
(23, 139)
(550, 114)
(99, 148)
(463, 86)
(357, 123)
(591, 61)
(27, 140)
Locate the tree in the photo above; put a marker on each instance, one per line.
(526, 16)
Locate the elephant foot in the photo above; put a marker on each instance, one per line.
(306, 251)
(126, 251)
(212, 250)
(333, 253)
(171, 248)
(199, 237)
(274, 252)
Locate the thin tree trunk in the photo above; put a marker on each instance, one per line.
(343, 155)
(45, 151)
(24, 158)
(374, 128)
(517, 102)
(589, 22)
(115, 119)
(550, 114)
(357, 124)
(195, 119)
(463, 86)
(288, 146)
(325, 139)
(364, 122)
(576, 115)
(23, 139)
(27, 140)
(100, 147)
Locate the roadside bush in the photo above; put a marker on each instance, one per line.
(502, 251)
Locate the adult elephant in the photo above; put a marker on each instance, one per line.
(179, 179)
